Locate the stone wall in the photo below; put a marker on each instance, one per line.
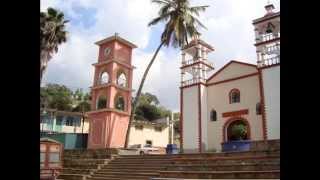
(265, 145)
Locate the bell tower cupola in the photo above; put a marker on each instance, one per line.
(195, 64)
(267, 37)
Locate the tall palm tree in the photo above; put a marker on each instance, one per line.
(180, 23)
(52, 34)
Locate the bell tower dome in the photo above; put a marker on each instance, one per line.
(195, 64)
(267, 33)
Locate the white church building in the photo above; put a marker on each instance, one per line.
(237, 94)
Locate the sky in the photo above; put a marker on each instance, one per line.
(229, 31)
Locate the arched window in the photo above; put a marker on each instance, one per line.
(122, 80)
(213, 115)
(258, 108)
(234, 96)
(270, 28)
(104, 78)
(101, 102)
(120, 103)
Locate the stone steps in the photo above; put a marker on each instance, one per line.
(89, 162)
(132, 173)
(76, 171)
(228, 167)
(89, 153)
(275, 174)
(216, 160)
(72, 176)
(83, 166)
(118, 178)
(142, 159)
(228, 160)
(135, 168)
(231, 165)
(201, 155)
(126, 171)
(121, 176)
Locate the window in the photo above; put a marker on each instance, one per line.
(42, 157)
(158, 129)
(234, 96)
(47, 119)
(270, 28)
(104, 78)
(213, 115)
(59, 120)
(69, 121)
(54, 157)
(120, 103)
(148, 143)
(258, 108)
(138, 127)
(77, 121)
(107, 51)
(102, 102)
(122, 80)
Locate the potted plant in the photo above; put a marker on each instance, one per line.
(238, 139)
(239, 132)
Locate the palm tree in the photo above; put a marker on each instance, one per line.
(181, 23)
(52, 34)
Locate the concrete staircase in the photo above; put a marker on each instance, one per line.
(78, 164)
(237, 165)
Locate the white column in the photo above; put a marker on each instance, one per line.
(204, 73)
(183, 58)
(198, 48)
(182, 74)
(198, 74)
(257, 35)
(172, 129)
(204, 54)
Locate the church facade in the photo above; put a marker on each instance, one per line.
(240, 100)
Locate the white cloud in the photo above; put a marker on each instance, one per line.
(230, 31)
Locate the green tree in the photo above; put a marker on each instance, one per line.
(83, 106)
(149, 108)
(56, 96)
(180, 23)
(176, 116)
(81, 101)
(239, 132)
(52, 34)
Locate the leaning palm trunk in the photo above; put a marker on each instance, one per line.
(136, 100)
(44, 58)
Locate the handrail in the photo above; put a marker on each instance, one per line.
(269, 61)
(191, 61)
(269, 36)
(192, 81)
(272, 49)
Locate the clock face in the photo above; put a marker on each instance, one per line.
(107, 52)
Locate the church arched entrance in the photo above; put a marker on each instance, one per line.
(236, 129)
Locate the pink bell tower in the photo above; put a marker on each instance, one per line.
(111, 94)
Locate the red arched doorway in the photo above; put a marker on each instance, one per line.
(236, 128)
